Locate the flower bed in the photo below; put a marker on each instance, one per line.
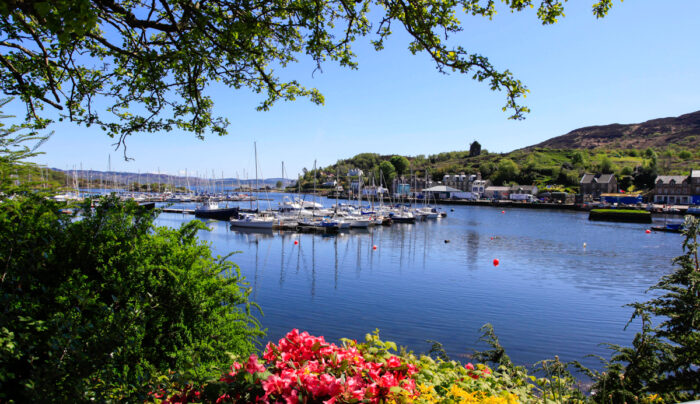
(302, 368)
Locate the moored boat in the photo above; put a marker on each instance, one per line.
(212, 210)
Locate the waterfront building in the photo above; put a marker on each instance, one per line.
(494, 192)
(478, 186)
(678, 189)
(440, 192)
(597, 184)
(406, 185)
(524, 190)
(459, 181)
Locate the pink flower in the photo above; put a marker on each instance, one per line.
(393, 362)
(292, 397)
(409, 384)
(469, 366)
(223, 399)
(388, 381)
(253, 366)
(275, 385)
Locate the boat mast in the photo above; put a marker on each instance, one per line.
(314, 202)
(255, 148)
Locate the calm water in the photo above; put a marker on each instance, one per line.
(549, 295)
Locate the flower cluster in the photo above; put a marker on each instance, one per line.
(305, 366)
(478, 372)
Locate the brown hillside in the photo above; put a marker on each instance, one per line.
(683, 131)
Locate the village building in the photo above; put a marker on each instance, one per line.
(410, 185)
(597, 184)
(440, 192)
(678, 189)
(494, 192)
(478, 187)
(459, 181)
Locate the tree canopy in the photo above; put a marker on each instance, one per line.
(137, 66)
(400, 163)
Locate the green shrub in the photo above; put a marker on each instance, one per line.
(96, 305)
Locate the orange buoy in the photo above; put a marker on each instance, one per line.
(496, 262)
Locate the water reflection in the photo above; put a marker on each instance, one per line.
(548, 296)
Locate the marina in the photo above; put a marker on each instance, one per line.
(554, 293)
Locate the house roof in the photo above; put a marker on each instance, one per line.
(441, 188)
(498, 189)
(666, 179)
(599, 178)
(524, 187)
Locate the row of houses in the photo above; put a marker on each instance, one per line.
(669, 189)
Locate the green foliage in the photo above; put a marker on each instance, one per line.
(14, 150)
(387, 172)
(150, 64)
(508, 170)
(497, 354)
(400, 164)
(663, 360)
(96, 305)
(606, 165)
(364, 161)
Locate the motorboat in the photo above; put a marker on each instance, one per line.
(212, 210)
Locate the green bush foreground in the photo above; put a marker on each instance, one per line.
(95, 306)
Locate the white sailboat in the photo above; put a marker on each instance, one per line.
(251, 220)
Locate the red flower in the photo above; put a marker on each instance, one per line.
(393, 362)
(253, 366)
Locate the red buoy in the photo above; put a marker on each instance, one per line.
(496, 262)
(503, 211)
(647, 231)
(374, 247)
(296, 242)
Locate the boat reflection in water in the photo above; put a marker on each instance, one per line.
(549, 296)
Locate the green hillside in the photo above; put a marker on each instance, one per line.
(556, 168)
(635, 153)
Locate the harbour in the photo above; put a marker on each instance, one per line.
(555, 292)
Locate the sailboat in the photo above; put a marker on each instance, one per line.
(253, 221)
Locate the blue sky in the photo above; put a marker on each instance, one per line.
(640, 62)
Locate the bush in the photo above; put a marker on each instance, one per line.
(96, 305)
(662, 361)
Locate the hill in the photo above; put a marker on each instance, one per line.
(682, 131)
(635, 153)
